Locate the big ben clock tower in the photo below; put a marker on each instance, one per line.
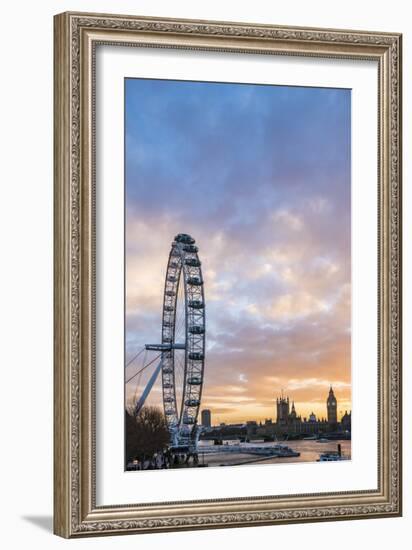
(332, 407)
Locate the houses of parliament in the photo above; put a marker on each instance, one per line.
(290, 424)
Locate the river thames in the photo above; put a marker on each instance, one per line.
(309, 452)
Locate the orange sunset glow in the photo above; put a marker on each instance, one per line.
(260, 177)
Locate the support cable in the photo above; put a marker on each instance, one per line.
(141, 370)
(135, 357)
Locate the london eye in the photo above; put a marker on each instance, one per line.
(181, 352)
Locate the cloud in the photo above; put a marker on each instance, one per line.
(297, 304)
(288, 219)
(260, 175)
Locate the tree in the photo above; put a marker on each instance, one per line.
(146, 433)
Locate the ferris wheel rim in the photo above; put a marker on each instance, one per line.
(183, 268)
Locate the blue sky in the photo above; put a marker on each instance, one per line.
(260, 176)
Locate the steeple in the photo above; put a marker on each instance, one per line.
(332, 407)
(293, 411)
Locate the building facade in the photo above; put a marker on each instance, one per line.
(206, 418)
(289, 424)
(282, 410)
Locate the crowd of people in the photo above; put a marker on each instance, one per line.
(164, 460)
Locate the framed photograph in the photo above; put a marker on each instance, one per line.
(227, 274)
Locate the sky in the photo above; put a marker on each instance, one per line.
(260, 177)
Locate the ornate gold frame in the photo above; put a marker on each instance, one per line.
(75, 510)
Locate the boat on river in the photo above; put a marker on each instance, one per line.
(333, 456)
(276, 450)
